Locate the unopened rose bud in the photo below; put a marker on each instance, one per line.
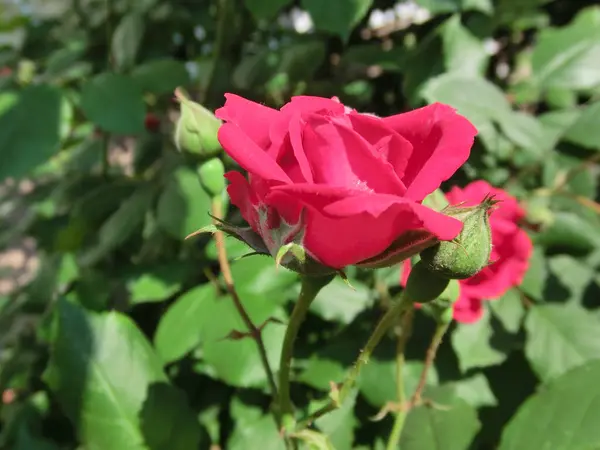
(212, 177)
(470, 252)
(197, 127)
(442, 308)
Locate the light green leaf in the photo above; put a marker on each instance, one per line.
(114, 103)
(337, 16)
(338, 302)
(509, 310)
(535, 279)
(567, 57)
(585, 131)
(183, 207)
(560, 337)
(180, 328)
(452, 427)
(29, 130)
(260, 434)
(463, 52)
(475, 391)
(157, 284)
(571, 274)
(126, 40)
(161, 76)
(104, 372)
(472, 344)
(339, 425)
(265, 9)
(562, 416)
(320, 372)
(377, 380)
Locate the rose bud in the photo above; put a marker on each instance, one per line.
(470, 252)
(211, 175)
(196, 129)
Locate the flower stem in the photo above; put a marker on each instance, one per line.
(403, 336)
(309, 290)
(253, 330)
(436, 340)
(385, 323)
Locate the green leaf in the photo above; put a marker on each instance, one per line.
(571, 231)
(180, 328)
(560, 337)
(183, 207)
(161, 76)
(126, 40)
(103, 372)
(535, 279)
(29, 130)
(585, 131)
(377, 380)
(338, 302)
(320, 372)
(563, 416)
(114, 103)
(339, 425)
(472, 344)
(463, 52)
(509, 310)
(568, 57)
(265, 9)
(452, 427)
(475, 391)
(571, 274)
(121, 224)
(337, 16)
(157, 284)
(261, 433)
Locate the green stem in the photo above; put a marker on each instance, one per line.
(436, 340)
(405, 332)
(309, 290)
(385, 323)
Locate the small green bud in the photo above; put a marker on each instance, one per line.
(470, 251)
(197, 127)
(211, 175)
(424, 286)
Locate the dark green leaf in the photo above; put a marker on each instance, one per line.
(586, 129)
(560, 337)
(157, 284)
(509, 310)
(161, 76)
(114, 103)
(29, 130)
(265, 9)
(562, 416)
(337, 16)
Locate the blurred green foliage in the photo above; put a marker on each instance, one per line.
(114, 337)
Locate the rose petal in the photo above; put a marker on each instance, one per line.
(242, 197)
(253, 118)
(467, 309)
(248, 154)
(441, 141)
(340, 157)
(306, 104)
(389, 144)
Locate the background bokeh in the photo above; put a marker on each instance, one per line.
(112, 334)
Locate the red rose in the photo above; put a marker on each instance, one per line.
(511, 251)
(359, 179)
